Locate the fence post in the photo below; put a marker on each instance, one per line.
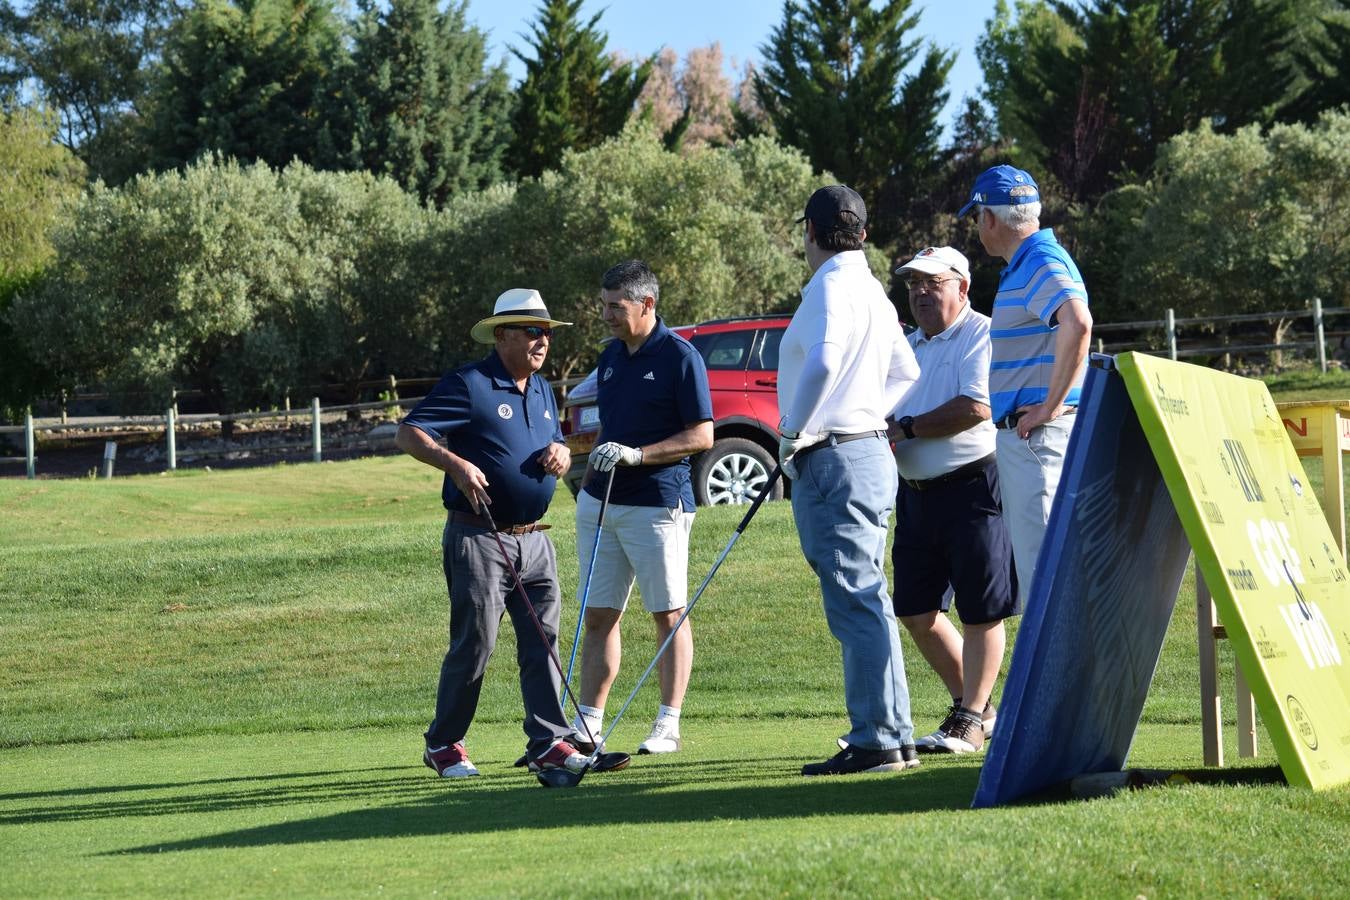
(1172, 334)
(318, 437)
(1321, 335)
(28, 442)
(170, 423)
(109, 457)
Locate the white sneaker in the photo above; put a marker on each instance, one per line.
(665, 738)
(560, 755)
(449, 762)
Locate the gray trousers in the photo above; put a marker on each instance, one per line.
(482, 589)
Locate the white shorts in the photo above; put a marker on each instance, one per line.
(646, 544)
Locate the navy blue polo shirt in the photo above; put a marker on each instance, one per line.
(485, 419)
(646, 397)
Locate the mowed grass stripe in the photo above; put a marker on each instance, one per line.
(354, 813)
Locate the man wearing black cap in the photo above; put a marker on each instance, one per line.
(844, 364)
(1039, 334)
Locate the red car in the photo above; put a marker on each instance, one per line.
(742, 359)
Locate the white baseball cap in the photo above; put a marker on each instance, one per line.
(936, 261)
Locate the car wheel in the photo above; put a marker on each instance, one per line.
(732, 471)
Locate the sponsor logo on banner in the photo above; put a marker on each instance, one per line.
(1302, 722)
(1239, 467)
(1171, 407)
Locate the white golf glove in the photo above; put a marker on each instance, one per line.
(609, 454)
(789, 445)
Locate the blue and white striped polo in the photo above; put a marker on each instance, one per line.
(1040, 277)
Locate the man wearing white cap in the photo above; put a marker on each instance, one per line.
(948, 517)
(503, 449)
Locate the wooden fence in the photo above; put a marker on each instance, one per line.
(1174, 337)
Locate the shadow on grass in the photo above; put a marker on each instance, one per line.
(234, 793)
(655, 795)
(161, 786)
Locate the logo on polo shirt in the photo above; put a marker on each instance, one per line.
(547, 415)
(609, 370)
(505, 411)
(650, 376)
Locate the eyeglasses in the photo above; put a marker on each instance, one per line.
(532, 331)
(926, 284)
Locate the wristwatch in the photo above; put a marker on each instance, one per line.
(906, 424)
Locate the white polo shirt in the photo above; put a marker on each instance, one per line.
(845, 306)
(953, 363)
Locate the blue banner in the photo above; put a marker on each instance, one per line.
(1105, 586)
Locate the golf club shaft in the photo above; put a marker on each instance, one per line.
(590, 572)
(740, 529)
(538, 626)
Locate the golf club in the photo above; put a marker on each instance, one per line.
(598, 762)
(590, 571)
(740, 529)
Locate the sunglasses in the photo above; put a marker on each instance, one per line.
(532, 331)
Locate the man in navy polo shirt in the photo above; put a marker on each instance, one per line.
(504, 450)
(655, 412)
(1040, 332)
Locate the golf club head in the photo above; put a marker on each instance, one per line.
(610, 762)
(559, 778)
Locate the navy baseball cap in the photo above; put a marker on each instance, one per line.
(836, 208)
(1002, 186)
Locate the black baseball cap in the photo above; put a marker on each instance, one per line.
(836, 208)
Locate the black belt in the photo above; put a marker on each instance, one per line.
(463, 518)
(961, 473)
(832, 440)
(1010, 420)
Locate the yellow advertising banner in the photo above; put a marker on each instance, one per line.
(1260, 540)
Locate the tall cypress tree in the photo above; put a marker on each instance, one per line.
(1090, 91)
(246, 79)
(425, 108)
(1322, 61)
(574, 94)
(845, 82)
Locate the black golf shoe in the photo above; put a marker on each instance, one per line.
(852, 760)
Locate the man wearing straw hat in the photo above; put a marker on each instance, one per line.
(503, 449)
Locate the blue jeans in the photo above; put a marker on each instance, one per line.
(842, 501)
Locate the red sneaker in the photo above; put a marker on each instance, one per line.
(449, 762)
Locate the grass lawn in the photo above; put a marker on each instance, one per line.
(215, 683)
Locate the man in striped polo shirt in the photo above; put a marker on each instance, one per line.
(1040, 334)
